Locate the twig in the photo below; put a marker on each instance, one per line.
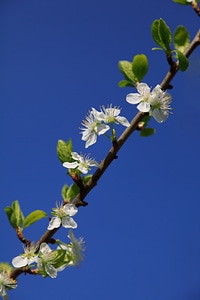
(79, 200)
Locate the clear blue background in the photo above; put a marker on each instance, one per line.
(142, 226)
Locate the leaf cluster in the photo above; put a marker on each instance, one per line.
(163, 36)
(17, 219)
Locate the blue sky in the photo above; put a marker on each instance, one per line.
(142, 227)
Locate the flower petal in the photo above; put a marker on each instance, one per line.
(143, 88)
(19, 261)
(68, 222)
(159, 115)
(123, 121)
(82, 169)
(45, 249)
(90, 139)
(133, 98)
(70, 165)
(76, 156)
(70, 209)
(144, 107)
(54, 223)
(102, 128)
(51, 271)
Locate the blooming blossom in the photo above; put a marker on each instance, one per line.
(93, 128)
(157, 100)
(82, 163)
(63, 216)
(142, 97)
(6, 283)
(73, 251)
(27, 258)
(160, 103)
(110, 115)
(46, 260)
(77, 246)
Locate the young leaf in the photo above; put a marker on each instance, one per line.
(183, 61)
(165, 34)
(18, 213)
(72, 191)
(140, 66)
(147, 132)
(64, 191)
(64, 150)
(124, 83)
(181, 38)
(161, 34)
(183, 2)
(14, 214)
(126, 69)
(11, 216)
(86, 178)
(33, 217)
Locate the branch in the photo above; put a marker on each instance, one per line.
(112, 154)
(173, 70)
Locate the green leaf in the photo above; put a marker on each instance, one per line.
(146, 120)
(86, 178)
(126, 69)
(183, 2)
(140, 66)
(161, 34)
(64, 192)
(59, 259)
(14, 214)
(72, 191)
(181, 38)
(64, 150)
(147, 132)
(124, 83)
(183, 61)
(33, 217)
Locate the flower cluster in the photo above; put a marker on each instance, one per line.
(6, 283)
(158, 101)
(96, 122)
(48, 262)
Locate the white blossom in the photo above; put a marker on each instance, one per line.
(77, 246)
(46, 260)
(142, 97)
(158, 101)
(110, 115)
(62, 216)
(6, 283)
(92, 128)
(82, 163)
(27, 258)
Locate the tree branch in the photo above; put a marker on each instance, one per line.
(172, 71)
(79, 200)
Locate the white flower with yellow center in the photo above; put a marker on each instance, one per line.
(92, 128)
(142, 97)
(46, 260)
(6, 283)
(82, 163)
(27, 258)
(62, 216)
(110, 115)
(160, 104)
